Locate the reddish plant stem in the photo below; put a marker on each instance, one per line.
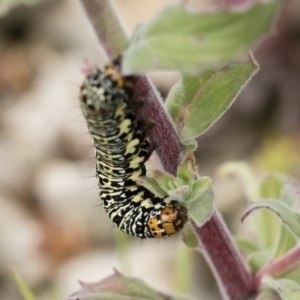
(233, 278)
(280, 265)
(163, 136)
(224, 259)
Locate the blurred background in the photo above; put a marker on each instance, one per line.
(52, 228)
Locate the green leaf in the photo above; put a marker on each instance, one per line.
(178, 183)
(178, 38)
(293, 273)
(268, 227)
(189, 236)
(7, 5)
(188, 169)
(270, 187)
(290, 218)
(198, 188)
(290, 193)
(195, 103)
(184, 174)
(245, 245)
(267, 294)
(258, 259)
(183, 269)
(202, 208)
(22, 286)
(179, 193)
(122, 247)
(164, 180)
(119, 287)
(152, 185)
(191, 145)
(285, 288)
(285, 242)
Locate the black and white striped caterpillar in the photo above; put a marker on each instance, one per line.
(122, 148)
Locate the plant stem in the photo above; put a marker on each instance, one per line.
(234, 280)
(280, 265)
(107, 26)
(163, 136)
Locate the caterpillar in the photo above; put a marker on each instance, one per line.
(122, 148)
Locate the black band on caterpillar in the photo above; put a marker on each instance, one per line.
(121, 151)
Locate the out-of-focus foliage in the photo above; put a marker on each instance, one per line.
(187, 41)
(276, 230)
(119, 287)
(286, 289)
(23, 288)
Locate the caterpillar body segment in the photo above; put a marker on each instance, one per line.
(122, 148)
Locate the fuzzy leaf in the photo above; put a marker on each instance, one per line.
(245, 245)
(293, 273)
(151, 184)
(267, 294)
(187, 168)
(270, 187)
(258, 259)
(199, 187)
(290, 218)
(7, 5)
(119, 287)
(177, 183)
(179, 193)
(268, 225)
(184, 174)
(202, 208)
(290, 193)
(177, 38)
(164, 180)
(285, 288)
(285, 242)
(195, 103)
(183, 269)
(189, 236)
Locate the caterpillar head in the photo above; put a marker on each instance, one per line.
(171, 220)
(107, 87)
